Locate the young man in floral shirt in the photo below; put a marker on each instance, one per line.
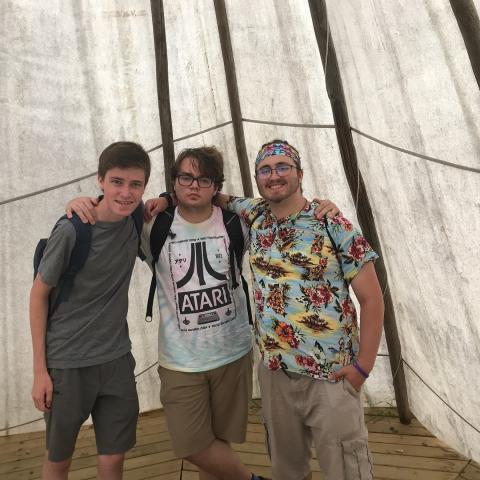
(314, 363)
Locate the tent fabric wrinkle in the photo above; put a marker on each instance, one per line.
(77, 76)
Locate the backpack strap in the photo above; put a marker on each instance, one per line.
(137, 217)
(334, 245)
(37, 256)
(235, 234)
(158, 235)
(78, 257)
(160, 231)
(233, 225)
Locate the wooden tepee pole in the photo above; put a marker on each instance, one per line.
(469, 24)
(336, 95)
(163, 92)
(232, 87)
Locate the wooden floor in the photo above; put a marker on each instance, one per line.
(399, 452)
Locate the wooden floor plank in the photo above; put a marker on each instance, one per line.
(399, 452)
(471, 472)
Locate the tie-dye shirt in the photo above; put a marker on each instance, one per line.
(305, 318)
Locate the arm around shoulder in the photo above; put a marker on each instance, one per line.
(84, 207)
(246, 208)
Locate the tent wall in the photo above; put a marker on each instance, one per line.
(409, 83)
(77, 75)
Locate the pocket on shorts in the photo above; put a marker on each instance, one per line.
(348, 387)
(56, 375)
(356, 459)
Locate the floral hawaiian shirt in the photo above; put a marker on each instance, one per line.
(305, 318)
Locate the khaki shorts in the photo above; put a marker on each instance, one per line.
(203, 406)
(297, 410)
(108, 392)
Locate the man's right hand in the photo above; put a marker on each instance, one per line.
(153, 207)
(84, 207)
(42, 391)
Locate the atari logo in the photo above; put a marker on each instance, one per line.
(197, 303)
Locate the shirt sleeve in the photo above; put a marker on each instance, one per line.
(246, 208)
(57, 253)
(353, 250)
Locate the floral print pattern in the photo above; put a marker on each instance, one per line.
(305, 318)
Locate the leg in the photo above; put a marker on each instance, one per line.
(115, 415)
(230, 395)
(219, 462)
(288, 438)
(188, 399)
(73, 396)
(55, 470)
(110, 467)
(202, 475)
(339, 431)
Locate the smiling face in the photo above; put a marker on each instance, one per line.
(275, 188)
(123, 190)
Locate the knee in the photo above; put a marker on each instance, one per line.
(57, 469)
(111, 462)
(192, 458)
(198, 458)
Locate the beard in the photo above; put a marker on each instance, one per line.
(279, 190)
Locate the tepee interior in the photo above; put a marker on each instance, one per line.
(381, 99)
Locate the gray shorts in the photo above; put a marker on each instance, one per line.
(203, 406)
(108, 392)
(299, 410)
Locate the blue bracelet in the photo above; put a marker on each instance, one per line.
(360, 370)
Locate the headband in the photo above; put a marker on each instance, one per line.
(278, 149)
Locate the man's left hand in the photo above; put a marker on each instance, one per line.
(350, 374)
(325, 207)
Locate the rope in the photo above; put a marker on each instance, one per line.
(441, 399)
(379, 355)
(418, 155)
(89, 175)
(41, 418)
(282, 124)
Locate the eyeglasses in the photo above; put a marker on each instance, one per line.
(187, 181)
(281, 170)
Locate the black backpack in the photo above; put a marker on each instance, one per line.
(160, 231)
(79, 253)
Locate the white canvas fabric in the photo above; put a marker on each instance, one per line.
(76, 76)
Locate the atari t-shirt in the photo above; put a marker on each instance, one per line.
(203, 319)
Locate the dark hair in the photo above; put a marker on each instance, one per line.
(124, 155)
(208, 160)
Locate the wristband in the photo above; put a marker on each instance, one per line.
(167, 197)
(360, 370)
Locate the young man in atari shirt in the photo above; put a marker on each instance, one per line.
(204, 338)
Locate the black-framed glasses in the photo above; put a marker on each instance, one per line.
(187, 180)
(281, 170)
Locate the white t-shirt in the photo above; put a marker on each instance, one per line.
(203, 320)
